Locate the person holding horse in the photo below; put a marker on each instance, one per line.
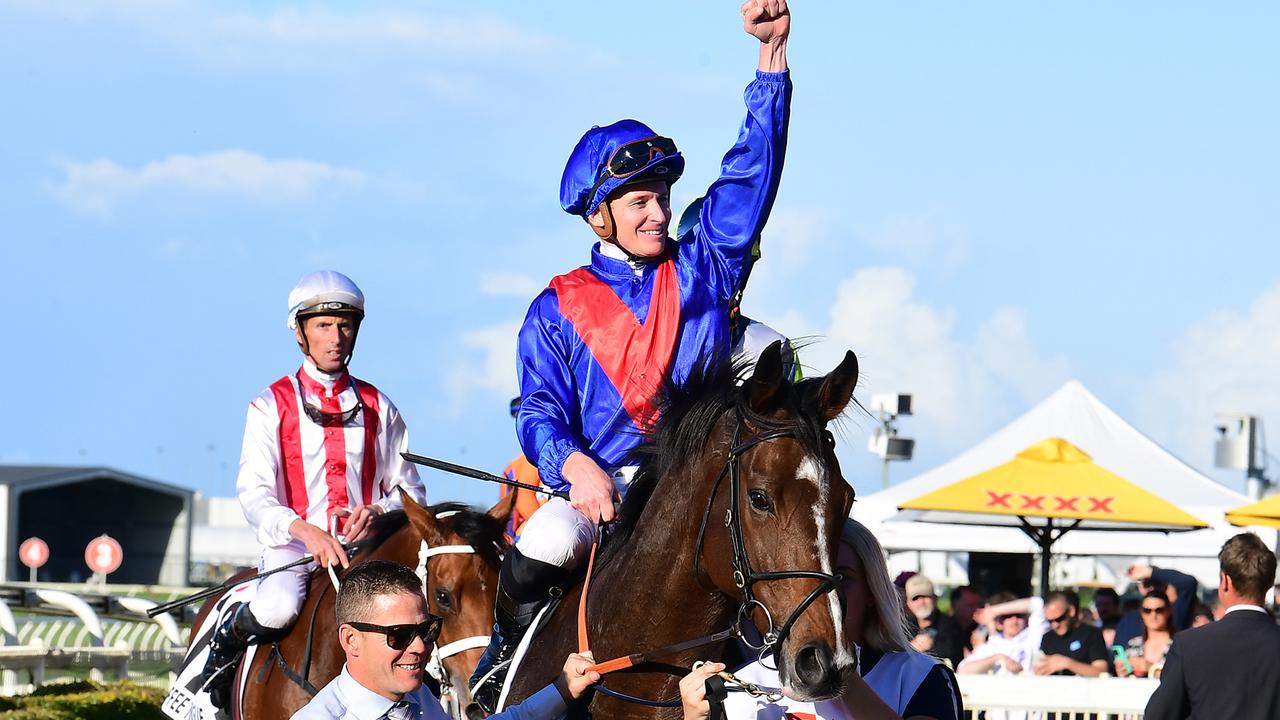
(387, 636)
(893, 681)
(321, 458)
(600, 341)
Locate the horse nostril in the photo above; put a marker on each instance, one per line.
(813, 664)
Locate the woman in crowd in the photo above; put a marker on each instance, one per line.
(893, 681)
(1146, 652)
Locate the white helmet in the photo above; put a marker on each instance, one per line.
(324, 293)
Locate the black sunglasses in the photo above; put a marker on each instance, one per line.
(399, 636)
(1054, 621)
(326, 419)
(1153, 611)
(632, 157)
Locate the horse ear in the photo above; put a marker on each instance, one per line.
(504, 507)
(837, 388)
(423, 520)
(766, 378)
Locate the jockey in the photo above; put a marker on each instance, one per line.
(321, 458)
(599, 342)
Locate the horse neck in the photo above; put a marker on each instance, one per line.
(654, 579)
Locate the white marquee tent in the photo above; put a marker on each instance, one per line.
(1074, 414)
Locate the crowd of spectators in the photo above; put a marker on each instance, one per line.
(1123, 636)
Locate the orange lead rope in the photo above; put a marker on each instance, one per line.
(584, 645)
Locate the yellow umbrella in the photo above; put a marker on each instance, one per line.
(1047, 490)
(1264, 512)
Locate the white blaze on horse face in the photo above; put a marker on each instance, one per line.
(811, 470)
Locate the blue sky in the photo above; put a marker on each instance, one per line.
(983, 200)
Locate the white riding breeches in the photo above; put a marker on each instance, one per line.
(558, 535)
(279, 597)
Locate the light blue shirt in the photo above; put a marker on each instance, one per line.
(346, 699)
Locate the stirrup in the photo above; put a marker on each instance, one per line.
(488, 689)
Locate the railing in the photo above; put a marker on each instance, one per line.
(1068, 697)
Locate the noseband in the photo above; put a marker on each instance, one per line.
(744, 577)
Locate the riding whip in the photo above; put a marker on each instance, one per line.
(351, 549)
(479, 474)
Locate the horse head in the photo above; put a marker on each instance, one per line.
(773, 517)
(460, 556)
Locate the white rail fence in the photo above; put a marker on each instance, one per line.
(1069, 698)
(85, 642)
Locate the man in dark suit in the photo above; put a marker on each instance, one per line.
(1231, 668)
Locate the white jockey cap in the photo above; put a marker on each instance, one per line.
(324, 293)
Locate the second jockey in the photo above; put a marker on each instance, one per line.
(598, 344)
(321, 458)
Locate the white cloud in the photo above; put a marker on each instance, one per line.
(97, 187)
(510, 285)
(492, 373)
(962, 386)
(1228, 362)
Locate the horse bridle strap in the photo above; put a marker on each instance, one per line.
(744, 577)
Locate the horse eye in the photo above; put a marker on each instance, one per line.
(830, 438)
(444, 598)
(760, 501)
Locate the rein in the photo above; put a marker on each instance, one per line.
(743, 575)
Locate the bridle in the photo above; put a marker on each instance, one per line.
(435, 665)
(744, 577)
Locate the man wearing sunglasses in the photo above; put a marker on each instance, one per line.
(598, 344)
(321, 459)
(1070, 648)
(387, 636)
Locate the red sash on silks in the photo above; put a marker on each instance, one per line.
(635, 356)
(288, 405)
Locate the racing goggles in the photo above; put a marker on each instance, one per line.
(399, 636)
(633, 157)
(326, 418)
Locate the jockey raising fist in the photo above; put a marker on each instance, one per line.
(601, 341)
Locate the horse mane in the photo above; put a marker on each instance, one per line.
(487, 535)
(688, 412)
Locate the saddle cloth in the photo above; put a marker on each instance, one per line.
(186, 700)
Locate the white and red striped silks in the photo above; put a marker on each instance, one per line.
(291, 467)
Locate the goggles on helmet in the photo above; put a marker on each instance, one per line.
(633, 157)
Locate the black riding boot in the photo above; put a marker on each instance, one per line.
(524, 585)
(228, 643)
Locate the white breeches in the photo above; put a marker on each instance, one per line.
(559, 535)
(279, 597)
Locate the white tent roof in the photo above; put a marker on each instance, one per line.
(1071, 413)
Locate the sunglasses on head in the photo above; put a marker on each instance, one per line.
(399, 636)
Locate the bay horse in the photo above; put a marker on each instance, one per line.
(693, 554)
(459, 585)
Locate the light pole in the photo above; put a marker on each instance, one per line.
(885, 441)
(1242, 445)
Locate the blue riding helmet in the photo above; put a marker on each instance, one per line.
(606, 158)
